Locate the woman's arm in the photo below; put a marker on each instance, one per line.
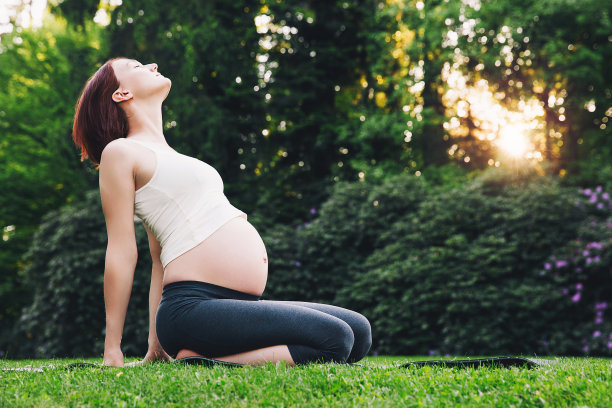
(118, 279)
(117, 196)
(155, 351)
(155, 292)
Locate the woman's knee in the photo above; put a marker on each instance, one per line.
(346, 341)
(334, 345)
(363, 338)
(336, 342)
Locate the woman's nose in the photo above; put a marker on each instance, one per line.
(154, 66)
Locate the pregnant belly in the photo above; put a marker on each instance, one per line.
(234, 256)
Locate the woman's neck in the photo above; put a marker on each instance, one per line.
(145, 121)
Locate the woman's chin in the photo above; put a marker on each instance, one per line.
(168, 90)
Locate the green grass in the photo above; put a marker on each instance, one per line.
(573, 382)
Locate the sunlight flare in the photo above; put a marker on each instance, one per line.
(513, 141)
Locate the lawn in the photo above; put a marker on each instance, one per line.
(574, 382)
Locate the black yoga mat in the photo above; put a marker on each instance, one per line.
(505, 362)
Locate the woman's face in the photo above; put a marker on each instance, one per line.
(142, 81)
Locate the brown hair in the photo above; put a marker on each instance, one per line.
(98, 120)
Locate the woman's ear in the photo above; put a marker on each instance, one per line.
(121, 96)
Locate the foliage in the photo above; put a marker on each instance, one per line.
(582, 269)
(436, 270)
(329, 93)
(322, 255)
(555, 51)
(456, 270)
(66, 276)
(40, 76)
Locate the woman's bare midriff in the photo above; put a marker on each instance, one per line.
(234, 256)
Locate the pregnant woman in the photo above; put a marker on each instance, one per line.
(210, 265)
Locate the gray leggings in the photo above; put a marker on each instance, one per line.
(216, 321)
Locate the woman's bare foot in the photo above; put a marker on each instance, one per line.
(187, 353)
(253, 357)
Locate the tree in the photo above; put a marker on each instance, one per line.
(555, 51)
(42, 72)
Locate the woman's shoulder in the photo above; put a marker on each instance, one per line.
(118, 146)
(118, 150)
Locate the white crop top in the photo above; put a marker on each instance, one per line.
(183, 203)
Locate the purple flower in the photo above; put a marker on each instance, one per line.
(313, 211)
(601, 305)
(565, 291)
(584, 341)
(587, 191)
(560, 264)
(298, 263)
(432, 352)
(598, 320)
(588, 261)
(600, 206)
(610, 344)
(599, 313)
(609, 224)
(605, 196)
(547, 266)
(576, 297)
(578, 270)
(585, 253)
(596, 333)
(596, 245)
(593, 198)
(586, 348)
(598, 189)
(597, 259)
(579, 286)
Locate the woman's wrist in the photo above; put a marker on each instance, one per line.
(154, 344)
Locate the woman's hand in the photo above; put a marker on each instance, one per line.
(153, 354)
(113, 357)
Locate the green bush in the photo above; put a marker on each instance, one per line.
(450, 270)
(492, 267)
(317, 258)
(582, 268)
(66, 275)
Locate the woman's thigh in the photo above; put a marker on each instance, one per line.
(219, 327)
(360, 325)
(357, 321)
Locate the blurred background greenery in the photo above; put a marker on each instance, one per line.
(442, 166)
